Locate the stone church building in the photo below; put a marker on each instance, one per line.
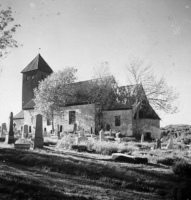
(124, 118)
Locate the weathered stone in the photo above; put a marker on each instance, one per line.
(80, 140)
(170, 143)
(142, 138)
(11, 133)
(45, 134)
(26, 131)
(38, 140)
(102, 135)
(3, 129)
(81, 133)
(129, 159)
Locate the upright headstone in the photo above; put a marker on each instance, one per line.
(38, 139)
(45, 134)
(158, 144)
(26, 131)
(110, 132)
(11, 133)
(3, 129)
(142, 138)
(75, 128)
(81, 133)
(170, 143)
(101, 135)
(81, 139)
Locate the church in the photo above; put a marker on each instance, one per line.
(126, 118)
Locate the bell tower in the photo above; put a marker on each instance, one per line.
(35, 71)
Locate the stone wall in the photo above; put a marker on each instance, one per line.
(85, 118)
(30, 120)
(125, 121)
(146, 126)
(19, 123)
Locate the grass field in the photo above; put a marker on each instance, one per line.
(46, 174)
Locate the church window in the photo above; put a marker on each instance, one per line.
(48, 122)
(61, 128)
(117, 120)
(72, 117)
(33, 77)
(27, 78)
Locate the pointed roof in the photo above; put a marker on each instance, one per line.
(38, 63)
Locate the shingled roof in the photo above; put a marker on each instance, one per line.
(38, 63)
(29, 105)
(20, 115)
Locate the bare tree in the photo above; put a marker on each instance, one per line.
(160, 95)
(103, 91)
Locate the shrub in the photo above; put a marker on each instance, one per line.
(166, 161)
(105, 148)
(182, 168)
(66, 142)
(186, 140)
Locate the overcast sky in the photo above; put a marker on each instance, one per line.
(84, 33)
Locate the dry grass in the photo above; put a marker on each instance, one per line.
(142, 181)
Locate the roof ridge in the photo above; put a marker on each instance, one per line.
(38, 63)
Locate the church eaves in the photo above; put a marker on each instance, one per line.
(38, 63)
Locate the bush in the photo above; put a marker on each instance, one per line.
(166, 161)
(186, 140)
(105, 148)
(181, 168)
(66, 142)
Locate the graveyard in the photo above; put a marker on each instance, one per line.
(86, 166)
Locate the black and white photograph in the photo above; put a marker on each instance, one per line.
(95, 99)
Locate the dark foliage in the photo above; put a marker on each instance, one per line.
(182, 168)
(183, 191)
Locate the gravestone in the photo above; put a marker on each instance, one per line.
(81, 139)
(38, 139)
(81, 133)
(11, 133)
(45, 134)
(170, 143)
(26, 131)
(3, 129)
(119, 157)
(75, 128)
(102, 135)
(158, 144)
(142, 138)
